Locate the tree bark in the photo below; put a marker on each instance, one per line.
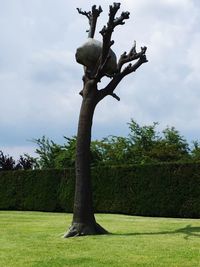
(84, 222)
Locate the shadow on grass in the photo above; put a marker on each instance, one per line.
(188, 231)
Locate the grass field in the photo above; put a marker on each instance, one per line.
(35, 239)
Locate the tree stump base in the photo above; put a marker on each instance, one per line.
(81, 229)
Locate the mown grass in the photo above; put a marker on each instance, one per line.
(35, 239)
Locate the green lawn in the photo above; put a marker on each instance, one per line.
(35, 239)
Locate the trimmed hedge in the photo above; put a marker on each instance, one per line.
(39, 190)
(167, 190)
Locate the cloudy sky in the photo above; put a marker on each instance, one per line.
(40, 80)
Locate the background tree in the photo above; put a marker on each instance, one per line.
(146, 145)
(7, 163)
(112, 150)
(52, 155)
(102, 63)
(195, 152)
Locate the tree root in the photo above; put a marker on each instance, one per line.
(81, 229)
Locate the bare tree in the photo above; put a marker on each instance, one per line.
(84, 222)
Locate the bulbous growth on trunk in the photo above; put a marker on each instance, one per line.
(89, 55)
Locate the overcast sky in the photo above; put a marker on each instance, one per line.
(40, 79)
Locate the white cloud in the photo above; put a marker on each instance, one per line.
(40, 80)
(193, 60)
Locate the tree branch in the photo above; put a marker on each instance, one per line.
(132, 55)
(133, 67)
(125, 58)
(106, 32)
(109, 89)
(115, 96)
(92, 17)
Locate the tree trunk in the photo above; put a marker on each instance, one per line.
(83, 217)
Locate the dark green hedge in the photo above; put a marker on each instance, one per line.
(43, 190)
(170, 190)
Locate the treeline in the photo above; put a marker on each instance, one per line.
(144, 144)
(7, 162)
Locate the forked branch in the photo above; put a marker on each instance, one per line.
(131, 56)
(92, 17)
(125, 58)
(106, 33)
(133, 67)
